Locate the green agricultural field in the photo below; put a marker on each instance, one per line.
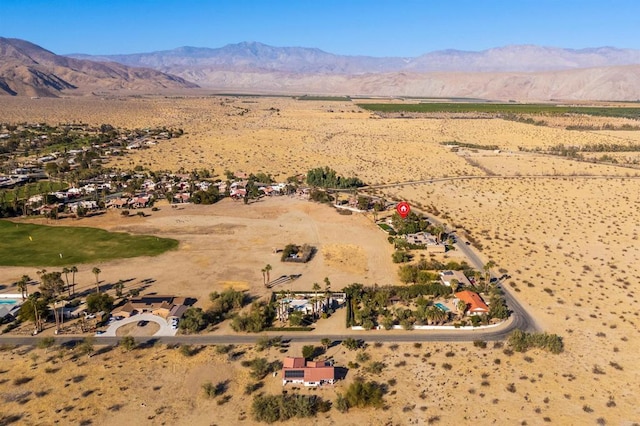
(490, 108)
(38, 245)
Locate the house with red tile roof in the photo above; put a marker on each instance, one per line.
(309, 373)
(475, 304)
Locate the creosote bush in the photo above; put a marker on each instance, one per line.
(521, 341)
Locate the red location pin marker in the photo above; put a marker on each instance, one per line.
(403, 209)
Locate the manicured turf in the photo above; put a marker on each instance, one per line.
(25, 244)
(491, 108)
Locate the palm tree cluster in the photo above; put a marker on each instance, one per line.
(51, 296)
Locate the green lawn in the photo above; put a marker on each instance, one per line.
(38, 245)
(385, 227)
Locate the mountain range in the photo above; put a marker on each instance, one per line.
(29, 70)
(253, 56)
(522, 72)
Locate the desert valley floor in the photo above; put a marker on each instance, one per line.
(565, 231)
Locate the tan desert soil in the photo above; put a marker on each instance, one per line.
(569, 243)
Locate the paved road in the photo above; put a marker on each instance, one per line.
(446, 179)
(498, 333)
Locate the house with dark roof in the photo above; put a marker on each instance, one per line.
(426, 241)
(308, 373)
(447, 276)
(162, 306)
(475, 304)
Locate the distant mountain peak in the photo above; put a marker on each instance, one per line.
(28, 69)
(523, 71)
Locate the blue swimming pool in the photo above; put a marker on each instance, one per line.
(441, 307)
(8, 301)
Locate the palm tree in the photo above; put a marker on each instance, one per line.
(73, 270)
(315, 287)
(34, 299)
(429, 315)
(439, 315)
(55, 315)
(327, 291)
(462, 307)
(119, 286)
(264, 276)
(96, 271)
(439, 230)
(22, 286)
(476, 277)
(66, 271)
(487, 272)
(267, 269)
(325, 342)
(454, 286)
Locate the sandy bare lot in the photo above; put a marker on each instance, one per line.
(570, 245)
(229, 243)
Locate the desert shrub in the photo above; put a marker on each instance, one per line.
(268, 342)
(224, 349)
(342, 404)
(364, 394)
(279, 408)
(127, 343)
(352, 344)
(401, 256)
(211, 390)
(252, 387)
(260, 367)
(187, 350)
(363, 357)
(375, 367)
(521, 341)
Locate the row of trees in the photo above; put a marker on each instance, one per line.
(326, 177)
(51, 293)
(223, 305)
(260, 317)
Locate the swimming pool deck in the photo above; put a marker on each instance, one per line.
(442, 306)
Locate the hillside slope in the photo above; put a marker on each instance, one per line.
(29, 70)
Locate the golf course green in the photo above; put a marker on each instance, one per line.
(23, 244)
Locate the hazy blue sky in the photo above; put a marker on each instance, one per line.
(354, 27)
